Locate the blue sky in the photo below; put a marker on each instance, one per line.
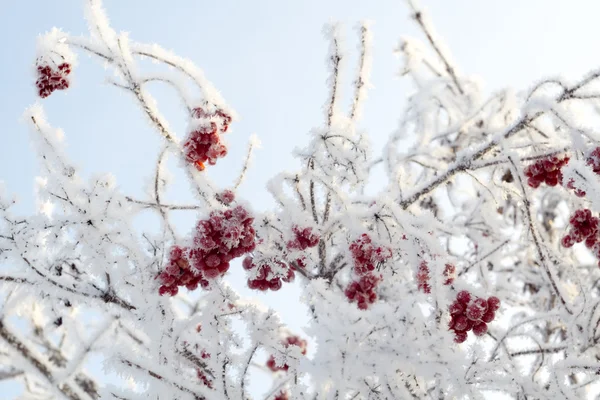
(268, 60)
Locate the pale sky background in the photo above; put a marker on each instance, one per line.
(268, 60)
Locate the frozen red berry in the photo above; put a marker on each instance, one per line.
(480, 329)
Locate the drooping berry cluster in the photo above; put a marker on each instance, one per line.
(423, 278)
(449, 274)
(304, 238)
(578, 192)
(269, 274)
(593, 160)
(584, 227)
(287, 342)
(225, 235)
(545, 170)
(366, 256)
(203, 144)
(467, 314)
(50, 79)
(363, 291)
(177, 273)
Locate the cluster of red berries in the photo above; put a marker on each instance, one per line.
(449, 274)
(363, 291)
(467, 314)
(366, 256)
(304, 238)
(204, 355)
(50, 79)
(177, 273)
(546, 170)
(584, 227)
(203, 144)
(593, 160)
(578, 192)
(423, 277)
(289, 341)
(224, 236)
(205, 380)
(267, 277)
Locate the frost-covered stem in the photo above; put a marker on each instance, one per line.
(503, 160)
(41, 368)
(106, 297)
(464, 164)
(163, 379)
(245, 372)
(173, 85)
(536, 240)
(81, 356)
(362, 79)
(148, 204)
(336, 57)
(162, 212)
(224, 377)
(551, 350)
(433, 41)
(480, 259)
(242, 174)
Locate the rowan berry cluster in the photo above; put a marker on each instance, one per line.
(203, 143)
(423, 278)
(584, 227)
(269, 274)
(177, 273)
(225, 235)
(471, 314)
(304, 238)
(449, 274)
(578, 192)
(366, 256)
(287, 342)
(593, 160)
(363, 291)
(51, 79)
(546, 170)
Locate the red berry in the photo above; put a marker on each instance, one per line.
(493, 303)
(464, 297)
(488, 316)
(460, 337)
(476, 309)
(457, 308)
(480, 329)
